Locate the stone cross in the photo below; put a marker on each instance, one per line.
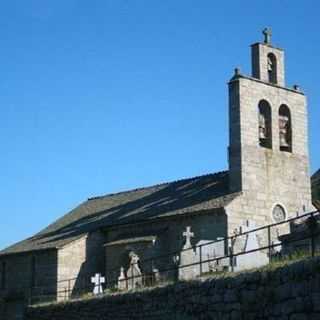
(97, 280)
(267, 35)
(122, 281)
(188, 235)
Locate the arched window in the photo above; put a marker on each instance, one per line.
(285, 129)
(265, 124)
(278, 213)
(272, 68)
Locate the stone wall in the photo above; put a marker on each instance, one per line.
(77, 261)
(266, 177)
(26, 274)
(169, 238)
(289, 293)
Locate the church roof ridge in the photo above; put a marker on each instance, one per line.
(194, 195)
(213, 174)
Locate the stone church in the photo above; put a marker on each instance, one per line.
(268, 181)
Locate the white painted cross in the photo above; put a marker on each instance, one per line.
(188, 234)
(97, 280)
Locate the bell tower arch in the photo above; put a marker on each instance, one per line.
(268, 150)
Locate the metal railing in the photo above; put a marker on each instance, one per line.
(169, 266)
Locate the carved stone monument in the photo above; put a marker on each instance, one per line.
(188, 257)
(249, 242)
(209, 250)
(122, 280)
(134, 274)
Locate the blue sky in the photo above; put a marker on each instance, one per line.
(103, 96)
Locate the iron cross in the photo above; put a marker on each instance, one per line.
(267, 35)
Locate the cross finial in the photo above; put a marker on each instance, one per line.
(188, 235)
(267, 35)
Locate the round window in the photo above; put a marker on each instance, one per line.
(278, 213)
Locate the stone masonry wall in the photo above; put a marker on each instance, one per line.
(287, 293)
(266, 177)
(26, 274)
(209, 226)
(260, 53)
(74, 265)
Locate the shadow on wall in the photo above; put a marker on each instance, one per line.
(94, 263)
(32, 278)
(159, 254)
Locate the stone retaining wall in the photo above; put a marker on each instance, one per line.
(291, 292)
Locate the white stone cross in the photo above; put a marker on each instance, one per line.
(188, 234)
(97, 280)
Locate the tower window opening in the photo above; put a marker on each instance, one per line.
(265, 125)
(272, 68)
(285, 129)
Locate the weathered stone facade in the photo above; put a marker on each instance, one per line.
(266, 176)
(268, 170)
(168, 238)
(77, 261)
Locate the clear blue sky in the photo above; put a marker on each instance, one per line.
(103, 96)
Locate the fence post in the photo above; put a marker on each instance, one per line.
(132, 277)
(153, 276)
(231, 254)
(269, 243)
(30, 296)
(69, 289)
(312, 225)
(312, 244)
(200, 260)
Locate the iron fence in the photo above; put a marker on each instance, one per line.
(303, 239)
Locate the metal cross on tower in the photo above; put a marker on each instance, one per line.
(267, 35)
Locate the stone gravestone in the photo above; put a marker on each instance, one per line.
(251, 242)
(188, 256)
(98, 280)
(208, 250)
(134, 274)
(122, 280)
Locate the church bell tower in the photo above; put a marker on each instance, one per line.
(268, 150)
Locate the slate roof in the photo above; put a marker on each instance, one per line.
(193, 195)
